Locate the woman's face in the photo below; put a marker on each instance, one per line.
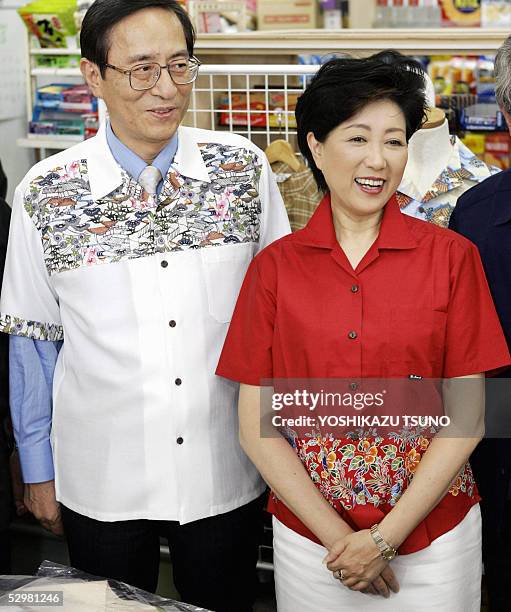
(363, 159)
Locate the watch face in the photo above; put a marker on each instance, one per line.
(388, 555)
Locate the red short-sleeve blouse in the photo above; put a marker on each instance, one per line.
(418, 303)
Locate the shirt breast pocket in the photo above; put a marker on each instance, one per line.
(416, 341)
(224, 269)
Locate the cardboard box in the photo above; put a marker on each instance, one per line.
(286, 14)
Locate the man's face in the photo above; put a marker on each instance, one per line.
(143, 120)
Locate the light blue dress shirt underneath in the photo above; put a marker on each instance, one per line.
(32, 362)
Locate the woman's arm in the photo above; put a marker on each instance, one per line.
(281, 468)
(446, 455)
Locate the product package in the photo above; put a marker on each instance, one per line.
(237, 113)
(286, 14)
(461, 13)
(52, 22)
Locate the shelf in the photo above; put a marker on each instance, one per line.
(56, 51)
(287, 42)
(74, 72)
(419, 41)
(48, 142)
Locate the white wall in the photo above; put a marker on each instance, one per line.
(15, 160)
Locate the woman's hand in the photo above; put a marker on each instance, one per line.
(362, 564)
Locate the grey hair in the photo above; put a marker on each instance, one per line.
(503, 75)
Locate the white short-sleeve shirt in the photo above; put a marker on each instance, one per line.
(142, 293)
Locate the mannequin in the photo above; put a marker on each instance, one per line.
(440, 168)
(429, 152)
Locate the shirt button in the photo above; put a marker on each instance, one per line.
(353, 386)
(164, 263)
(180, 440)
(172, 323)
(354, 288)
(178, 381)
(352, 335)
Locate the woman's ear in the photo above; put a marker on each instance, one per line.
(316, 148)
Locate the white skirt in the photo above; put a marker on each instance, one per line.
(445, 576)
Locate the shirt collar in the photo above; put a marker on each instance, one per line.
(132, 163)
(105, 174)
(395, 232)
(462, 165)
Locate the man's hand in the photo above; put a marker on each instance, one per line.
(40, 499)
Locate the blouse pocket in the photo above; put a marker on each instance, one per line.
(416, 340)
(224, 269)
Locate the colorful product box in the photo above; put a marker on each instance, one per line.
(461, 13)
(257, 116)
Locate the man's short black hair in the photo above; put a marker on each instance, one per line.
(103, 15)
(343, 87)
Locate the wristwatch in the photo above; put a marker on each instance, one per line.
(387, 551)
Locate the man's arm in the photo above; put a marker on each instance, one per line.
(31, 368)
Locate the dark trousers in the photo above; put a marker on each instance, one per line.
(491, 464)
(213, 559)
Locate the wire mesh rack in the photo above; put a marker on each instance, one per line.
(256, 101)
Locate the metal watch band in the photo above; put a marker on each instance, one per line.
(387, 551)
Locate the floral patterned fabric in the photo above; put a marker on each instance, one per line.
(128, 223)
(463, 171)
(364, 469)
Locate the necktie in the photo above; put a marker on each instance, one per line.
(149, 179)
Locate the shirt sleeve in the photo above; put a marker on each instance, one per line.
(29, 304)
(32, 365)
(475, 341)
(274, 219)
(247, 355)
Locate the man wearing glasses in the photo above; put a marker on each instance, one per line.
(126, 256)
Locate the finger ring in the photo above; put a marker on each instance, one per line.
(339, 574)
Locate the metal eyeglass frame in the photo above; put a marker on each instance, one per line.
(193, 60)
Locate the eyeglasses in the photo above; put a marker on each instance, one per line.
(145, 76)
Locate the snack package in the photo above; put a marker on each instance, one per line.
(51, 22)
(461, 13)
(258, 116)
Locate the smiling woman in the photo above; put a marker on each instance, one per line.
(365, 292)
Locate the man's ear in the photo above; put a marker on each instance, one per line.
(316, 148)
(92, 76)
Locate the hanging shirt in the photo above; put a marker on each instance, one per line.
(299, 191)
(142, 291)
(463, 171)
(417, 304)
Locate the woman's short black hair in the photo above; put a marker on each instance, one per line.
(343, 87)
(103, 15)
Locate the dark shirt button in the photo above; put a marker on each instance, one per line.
(180, 440)
(164, 264)
(353, 386)
(178, 381)
(172, 323)
(352, 335)
(354, 288)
